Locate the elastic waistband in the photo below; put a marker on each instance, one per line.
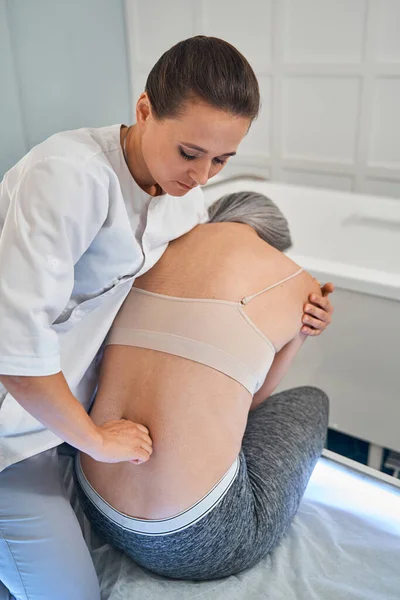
(166, 526)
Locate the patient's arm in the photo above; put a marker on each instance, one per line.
(278, 370)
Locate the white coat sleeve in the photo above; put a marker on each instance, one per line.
(204, 218)
(54, 214)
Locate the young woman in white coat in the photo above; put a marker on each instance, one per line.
(81, 216)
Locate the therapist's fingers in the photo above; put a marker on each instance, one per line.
(143, 433)
(147, 447)
(142, 456)
(142, 428)
(145, 438)
(121, 440)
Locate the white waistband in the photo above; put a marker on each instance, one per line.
(161, 526)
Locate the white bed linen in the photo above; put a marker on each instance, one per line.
(344, 544)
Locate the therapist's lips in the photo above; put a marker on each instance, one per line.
(185, 186)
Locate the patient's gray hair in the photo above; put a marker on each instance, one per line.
(255, 210)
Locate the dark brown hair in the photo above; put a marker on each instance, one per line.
(207, 68)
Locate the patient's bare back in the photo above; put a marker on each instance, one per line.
(228, 261)
(195, 414)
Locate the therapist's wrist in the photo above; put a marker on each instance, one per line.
(92, 442)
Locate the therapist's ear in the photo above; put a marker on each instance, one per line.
(143, 109)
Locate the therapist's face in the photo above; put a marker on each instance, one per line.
(183, 152)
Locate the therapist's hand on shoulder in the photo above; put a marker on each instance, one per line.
(123, 440)
(318, 311)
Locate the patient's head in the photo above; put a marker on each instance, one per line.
(255, 210)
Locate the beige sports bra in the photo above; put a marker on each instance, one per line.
(216, 333)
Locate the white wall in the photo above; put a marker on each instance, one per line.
(63, 65)
(329, 72)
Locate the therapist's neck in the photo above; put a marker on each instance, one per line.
(136, 164)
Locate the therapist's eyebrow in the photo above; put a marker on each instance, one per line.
(205, 151)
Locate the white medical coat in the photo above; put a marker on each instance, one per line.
(75, 231)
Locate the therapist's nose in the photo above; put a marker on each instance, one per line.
(200, 173)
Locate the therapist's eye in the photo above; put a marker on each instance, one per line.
(185, 155)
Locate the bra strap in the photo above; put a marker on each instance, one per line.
(247, 299)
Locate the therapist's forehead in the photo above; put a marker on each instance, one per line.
(217, 131)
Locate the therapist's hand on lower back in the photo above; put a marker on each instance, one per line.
(49, 399)
(123, 440)
(318, 311)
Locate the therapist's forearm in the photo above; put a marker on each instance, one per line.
(51, 402)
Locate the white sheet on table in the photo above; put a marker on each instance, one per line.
(344, 544)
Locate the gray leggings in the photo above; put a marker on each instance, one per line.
(283, 440)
